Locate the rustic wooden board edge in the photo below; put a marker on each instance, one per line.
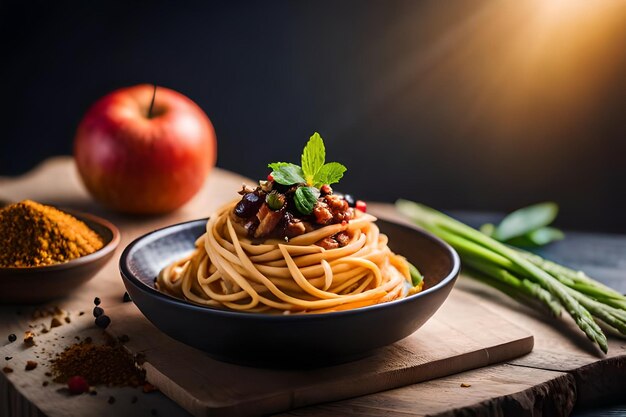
(307, 395)
(555, 397)
(491, 392)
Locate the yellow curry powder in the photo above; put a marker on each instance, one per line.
(32, 234)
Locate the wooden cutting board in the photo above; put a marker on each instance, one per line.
(461, 336)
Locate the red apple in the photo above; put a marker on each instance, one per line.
(136, 160)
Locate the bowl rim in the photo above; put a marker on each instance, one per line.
(156, 234)
(81, 260)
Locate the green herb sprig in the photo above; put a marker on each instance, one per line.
(314, 173)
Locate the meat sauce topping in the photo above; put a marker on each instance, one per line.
(269, 211)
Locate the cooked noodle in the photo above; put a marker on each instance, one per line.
(227, 269)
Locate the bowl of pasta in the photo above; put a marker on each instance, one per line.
(289, 274)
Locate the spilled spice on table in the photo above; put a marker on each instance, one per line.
(108, 364)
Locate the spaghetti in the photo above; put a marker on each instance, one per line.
(291, 245)
(229, 269)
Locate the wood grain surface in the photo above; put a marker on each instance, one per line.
(564, 367)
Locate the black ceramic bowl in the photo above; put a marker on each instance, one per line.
(291, 340)
(43, 283)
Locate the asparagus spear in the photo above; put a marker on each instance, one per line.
(463, 237)
(579, 279)
(523, 285)
(514, 290)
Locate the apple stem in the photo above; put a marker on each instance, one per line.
(152, 102)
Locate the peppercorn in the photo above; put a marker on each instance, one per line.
(98, 311)
(7, 370)
(126, 298)
(103, 321)
(30, 365)
(96, 301)
(55, 322)
(12, 338)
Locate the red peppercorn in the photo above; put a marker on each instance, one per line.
(270, 177)
(77, 385)
(361, 205)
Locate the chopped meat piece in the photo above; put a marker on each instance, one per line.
(268, 221)
(308, 227)
(294, 228)
(342, 238)
(325, 189)
(322, 213)
(290, 226)
(339, 208)
(328, 243)
(336, 203)
(341, 216)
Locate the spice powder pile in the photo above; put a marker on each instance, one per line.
(32, 234)
(109, 365)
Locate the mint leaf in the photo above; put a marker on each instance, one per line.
(276, 165)
(329, 173)
(313, 157)
(287, 174)
(306, 198)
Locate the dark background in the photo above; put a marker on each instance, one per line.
(460, 105)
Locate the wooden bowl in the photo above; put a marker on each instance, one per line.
(38, 284)
(292, 341)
